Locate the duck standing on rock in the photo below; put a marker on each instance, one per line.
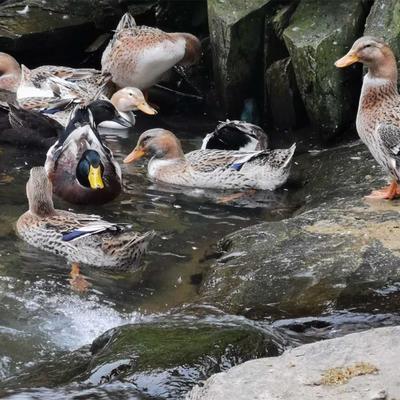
(80, 238)
(216, 169)
(378, 117)
(139, 56)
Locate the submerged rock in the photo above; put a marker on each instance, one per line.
(159, 360)
(357, 366)
(338, 251)
(236, 32)
(319, 33)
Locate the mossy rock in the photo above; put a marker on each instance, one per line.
(162, 360)
(339, 252)
(319, 33)
(236, 33)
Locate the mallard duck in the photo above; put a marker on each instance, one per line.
(378, 117)
(236, 135)
(218, 169)
(126, 101)
(80, 238)
(81, 168)
(29, 128)
(50, 80)
(138, 56)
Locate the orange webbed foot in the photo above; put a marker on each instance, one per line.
(388, 193)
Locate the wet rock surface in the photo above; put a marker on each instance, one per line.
(318, 34)
(338, 250)
(160, 360)
(357, 366)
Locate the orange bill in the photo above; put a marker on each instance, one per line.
(136, 154)
(345, 61)
(146, 108)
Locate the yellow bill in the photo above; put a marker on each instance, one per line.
(345, 61)
(136, 154)
(95, 180)
(146, 108)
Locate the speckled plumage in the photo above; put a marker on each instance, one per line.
(109, 246)
(138, 56)
(217, 169)
(378, 116)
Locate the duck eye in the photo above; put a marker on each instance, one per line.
(367, 45)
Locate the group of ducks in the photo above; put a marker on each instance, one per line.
(61, 108)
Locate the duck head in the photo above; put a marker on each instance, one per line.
(39, 191)
(89, 170)
(131, 99)
(375, 54)
(192, 49)
(156, 143)
(10, 73)
(103, 110)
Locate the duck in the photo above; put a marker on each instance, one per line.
(378, 115)
(80, 238)
(32, 129)
(49, 80)
(236, 135)
(139, 56)
(214, 169)
(81, 168)
(126, 101)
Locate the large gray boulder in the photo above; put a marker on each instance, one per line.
(316, 371)
(339, 250)
(319, 33)
(384, 22)
(236, 33)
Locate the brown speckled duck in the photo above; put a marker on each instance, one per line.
(378, 117)
(138, 56)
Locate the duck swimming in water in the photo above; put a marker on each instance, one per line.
(378, 116)
(81, 168)
(217, 169)
(80, 238)
(139, 56)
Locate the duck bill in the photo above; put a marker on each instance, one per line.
(95, 179)
(122, 121)
(136, 154)
(146, 108)
(345, 61)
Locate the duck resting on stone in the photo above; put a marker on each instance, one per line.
(378, 116)
(217, 169)
(80, 238)
(139, 56)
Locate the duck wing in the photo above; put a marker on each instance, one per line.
(389, 136)
(236, 135)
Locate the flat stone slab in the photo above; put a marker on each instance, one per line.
(365, 365)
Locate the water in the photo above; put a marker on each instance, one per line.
(41, 317)
(40, 314)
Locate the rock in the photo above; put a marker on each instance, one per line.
(161, 359)
(319, 33)
(369, 358)
(286, 108)
(236, 31)
(383, 22)
(338, 252)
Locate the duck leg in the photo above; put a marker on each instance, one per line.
(235, 196)
(389, 193)
(78, 281)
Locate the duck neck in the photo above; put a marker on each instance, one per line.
(41, 205)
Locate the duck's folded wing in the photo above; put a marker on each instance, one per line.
(389, 135)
